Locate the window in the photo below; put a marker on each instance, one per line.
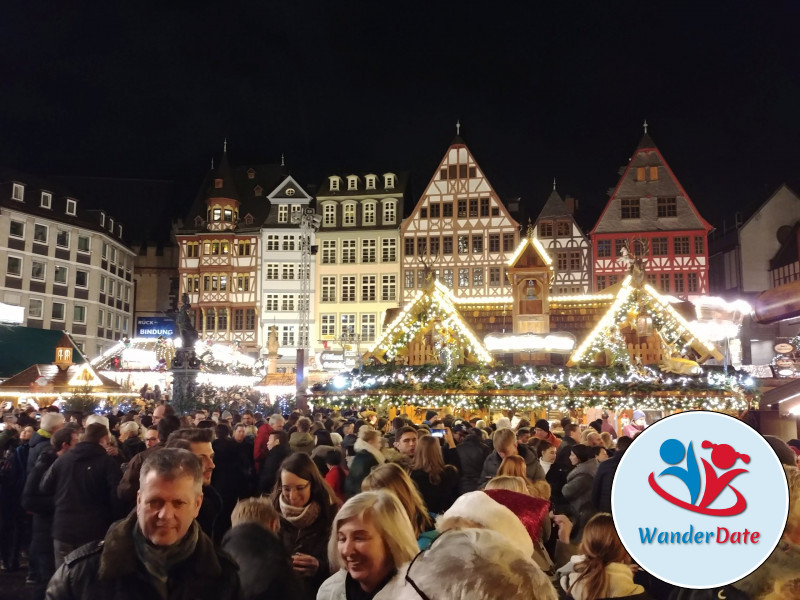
(349, 251)
(297, 210)
(699, 245)
(57, 313)
(563, 229)
(463, 278)
(389, 180)
(47, 201)
(368, 211)
(81, 279)
(109, 317)
(192, 249)
(660, 246)
(222, 320)
(477, 277)
(463, 244)
(447, 209)
(388, 288)
(545, 229)
(601, 282)
(389, 250)
(211, 318)
(629, 208)
(329, 215)
(72, 206)
(370, 179)
(640, 174)
(243, 283)
(435, 210)
(288, 272)
(288, 242)
(368, 251)
(603, 248)
(447, 278)
(18, 192)
(667, 207)
(14, 266)
(334, 180)
(283, 213)
(35, 309)
(329, 252)
(367, 328)
(287, 302)
(409, 278)
(368, 288)
(273, 242)
(79, 314)
(484, 207)
(244, 247)
(423, 213)
(473, 207)
(409, 246)
(561, 260)
(16, 229)
(272, 271)
(250, 319)
(37, 270)
(679, 283)
(62, 239)
(508, 242)
(664, 282)
(575, 261)
(349, 214)
(329, 288)
(434, 246)
(421, 278)
(612, 280)
(348, 288)
(40, 233)
(352, 182)
(494, 276)
(651, 279)
(692, 283)
(653, 173)
(447, 245)
(477, 244)
(619, 246)
(422, 246)
(680, 245)
(328, 326)
(389, 213)
(348, 325)
(462, 209)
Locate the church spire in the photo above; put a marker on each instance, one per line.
(458, 127)
(225, 146)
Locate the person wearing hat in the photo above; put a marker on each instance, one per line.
(607, 426)
(541, 430)
(636, 426)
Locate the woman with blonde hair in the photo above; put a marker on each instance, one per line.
(393, 478)
(515, 466)
(507, 482)
(436, 481)
(602, 570)
(371, 539)
(368, 455)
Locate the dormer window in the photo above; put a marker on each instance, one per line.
(47, 200)
(218, 183)
(334, 182)
(371, 180)
(283, 213)
(72, 206)
(389, 181)
(111, 225)
(352, 182)
(119, 231)
(258, 191)
(248, 219)
(18, 192)
(102, 219)
(251, 174)
(198, 220)
(290, 192)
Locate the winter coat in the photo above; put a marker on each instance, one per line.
(84, 484)
(111, 570)
(336, 477)
(209, 515)
(132, 446)
(578, 492)
(301, 442)
(472, 453)
(334, 587)
(533, 469)
(260, 444)
(619, 581)
(231, 476)
(268, 475)
(367, 458)
(604, 481)
(33, 500)
(37, 444)
(312, 540)
(129, 484)
(265, 569)
(438, 498)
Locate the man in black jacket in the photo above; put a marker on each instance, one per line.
(472, 453)
(84, 484)
(157, 552)
(604, 477)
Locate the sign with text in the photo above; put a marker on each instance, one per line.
(152, 327)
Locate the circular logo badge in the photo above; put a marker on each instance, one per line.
(700, 499)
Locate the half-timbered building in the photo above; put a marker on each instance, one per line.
(460, 230)
(650, 215)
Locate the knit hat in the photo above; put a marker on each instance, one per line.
(637, 414)
(226, 415)
(782, 449)
(430, 414)
(529, 510)
(480, 508)
(542, 424)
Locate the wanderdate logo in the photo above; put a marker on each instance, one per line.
(709, 509)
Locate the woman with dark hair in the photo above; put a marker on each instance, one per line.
(307, 506)
(577, 491)
(436, 481)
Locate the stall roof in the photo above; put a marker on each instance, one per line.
(21, 347)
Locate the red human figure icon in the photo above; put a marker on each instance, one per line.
(724, 457)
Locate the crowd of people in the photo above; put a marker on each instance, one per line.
(331, 506)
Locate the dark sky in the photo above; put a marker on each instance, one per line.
(559, 89)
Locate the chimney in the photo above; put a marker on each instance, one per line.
(571, 204)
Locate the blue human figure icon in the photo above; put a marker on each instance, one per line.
(672, 453)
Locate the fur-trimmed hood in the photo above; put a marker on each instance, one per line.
(362, 445)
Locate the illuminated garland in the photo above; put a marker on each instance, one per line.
(526, 387)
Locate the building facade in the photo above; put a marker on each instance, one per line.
(68, 267)
(650, 215)
(460, 230)
(358, 256)
(566, 244)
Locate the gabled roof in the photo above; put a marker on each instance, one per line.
(554, 207)
(648, 299)
(788, 252)
(666, 186)
(49, 379)
(223, 173)
(530, 252)
(433, 302)
(21, 347)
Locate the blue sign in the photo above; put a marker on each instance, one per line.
(152, 327)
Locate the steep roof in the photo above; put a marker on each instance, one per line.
(50, 379)
(554, 207)
(21, 347)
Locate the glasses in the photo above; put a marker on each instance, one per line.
(288, 489)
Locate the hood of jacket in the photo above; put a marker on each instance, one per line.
(585, 468)
(86, 451)
(366, 446)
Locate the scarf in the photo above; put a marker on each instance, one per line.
(158, 560)
(299, 517)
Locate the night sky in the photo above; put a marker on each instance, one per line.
(543, 89)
